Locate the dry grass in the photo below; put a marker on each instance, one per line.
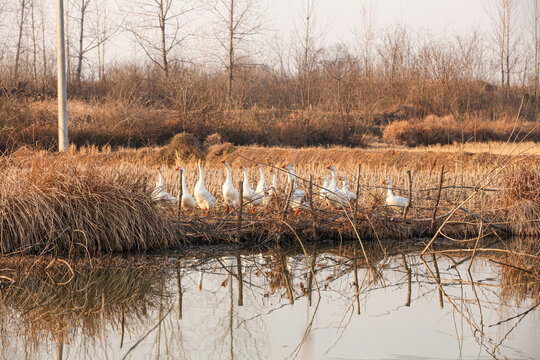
(54, 203)
(101, 200)
(447, 130)
(521, 196)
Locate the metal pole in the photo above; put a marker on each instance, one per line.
(61, 76)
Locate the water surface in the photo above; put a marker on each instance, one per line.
(147, 312)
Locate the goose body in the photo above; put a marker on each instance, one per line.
(273, 191)
(323, 191)
(391, 199)
(188, 201)
(248, 193)
(205, 200)
(261, 191)
(230, 194)
(159, 193)
(334, 196)
(297, 200)
(349, 195)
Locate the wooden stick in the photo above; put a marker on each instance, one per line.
(441, 178)
(240, 208)
(441, 303)
(409, 279)
(240, 279)
(180, 194)
(311, 206)
(409, 200)
(355, 218)
(179, 283)
(312, 271)
(356, 285)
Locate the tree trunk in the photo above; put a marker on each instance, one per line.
(19, 41)
(84, 5)
(162, 19)
(507, 47)
(34, 44)
(231, 53)
(44, 52)
(305, 71)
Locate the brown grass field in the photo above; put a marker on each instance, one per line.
(99, 200)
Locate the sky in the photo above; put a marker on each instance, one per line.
(338, 20)
(444, 17)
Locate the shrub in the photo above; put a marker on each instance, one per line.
(446, 130)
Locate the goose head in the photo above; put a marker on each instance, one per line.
(386, 182)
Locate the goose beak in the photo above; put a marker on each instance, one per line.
(159, 167)
(383, 182)
(256, 164)
(283, 166)
(328, 167)
(319, 178)
(153, 178)
(271, 170)
(177, 168)
(223, 161)
(240, 167)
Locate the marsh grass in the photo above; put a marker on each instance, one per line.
(54, 203)
(100, 201)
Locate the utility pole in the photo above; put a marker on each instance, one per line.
(61, 76)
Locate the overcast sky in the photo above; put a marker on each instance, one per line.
(337, 19)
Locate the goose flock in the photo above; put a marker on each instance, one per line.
(333, 195)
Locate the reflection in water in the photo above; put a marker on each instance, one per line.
(273, 305)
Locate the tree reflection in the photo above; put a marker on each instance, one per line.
(257, 305)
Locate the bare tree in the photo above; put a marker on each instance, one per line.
(536, 37)
(83, 7)
(506, 34)
(243, 20)
(366, 33)
(23, 4)
(159, 29)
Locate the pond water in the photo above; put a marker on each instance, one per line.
(190, 309)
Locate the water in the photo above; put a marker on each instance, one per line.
(134, 312)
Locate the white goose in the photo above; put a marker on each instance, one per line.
(324, 189)
(188, 201)
(273, 191)
(261, 191)
(205, 200)
(297, 201)
(248, 193)
(230, 194)
(391, 199)
(159, 194)
(349, 195)
(334, 196)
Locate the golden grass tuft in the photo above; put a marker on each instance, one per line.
(183, 146)
(55, 203)
(521, 196)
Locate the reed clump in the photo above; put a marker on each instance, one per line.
(447, 130)
(521, 196)
(54, 203)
